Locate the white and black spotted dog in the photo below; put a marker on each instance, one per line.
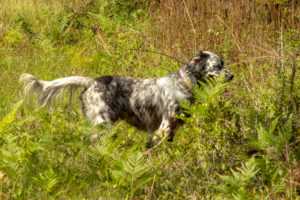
(148, 104)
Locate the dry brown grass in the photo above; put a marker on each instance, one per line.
(246, 29)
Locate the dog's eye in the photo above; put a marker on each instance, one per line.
(220, 67)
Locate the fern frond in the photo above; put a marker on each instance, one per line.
(236, 184)
(8, 119)
(210, 90)
(47, 180)
(135, 165)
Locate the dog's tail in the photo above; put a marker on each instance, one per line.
(48, 90)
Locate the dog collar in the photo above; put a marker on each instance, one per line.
(185, 79)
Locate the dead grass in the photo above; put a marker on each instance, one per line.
(246, 28)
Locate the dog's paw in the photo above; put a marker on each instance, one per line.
(149, 143)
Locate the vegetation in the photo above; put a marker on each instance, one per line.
(242, 140)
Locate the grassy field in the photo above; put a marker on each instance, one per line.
(242, 140)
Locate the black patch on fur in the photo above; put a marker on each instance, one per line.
(83, 107)
(105, 80)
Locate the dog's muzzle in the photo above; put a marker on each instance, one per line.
(228, 76)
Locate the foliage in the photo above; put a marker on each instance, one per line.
(238, 184)
(240, 141)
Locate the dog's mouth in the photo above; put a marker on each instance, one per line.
(212, 76)
(227, 77)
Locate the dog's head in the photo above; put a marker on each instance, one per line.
(208, 65)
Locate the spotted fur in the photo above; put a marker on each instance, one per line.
(148, 104)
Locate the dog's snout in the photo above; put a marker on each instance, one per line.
(230, 77)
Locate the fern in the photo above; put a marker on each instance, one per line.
(8, 119)
(206, 98)
(47, 180)
(211, 90)
(135, 164)
(237, 185)
(17, 154)
(266, 138)
(101, 154)
(274, 139)
(7, 138)
(125, 170)
(132, 172)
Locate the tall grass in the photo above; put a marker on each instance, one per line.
(241, 141)
(247, 28)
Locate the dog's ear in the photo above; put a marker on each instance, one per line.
(203, 55)
(200, 57)
(195, 60)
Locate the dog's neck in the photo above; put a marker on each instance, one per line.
(187, 77)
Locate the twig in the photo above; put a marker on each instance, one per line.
(98, 31)
(152, 186)
(192, 24)
(294, 69)
(163, 54)
(159, 143)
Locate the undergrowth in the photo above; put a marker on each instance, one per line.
(241, 140)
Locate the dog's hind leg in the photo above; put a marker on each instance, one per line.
(103, 123)
(96, 110)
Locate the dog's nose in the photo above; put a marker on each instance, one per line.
(229, 76)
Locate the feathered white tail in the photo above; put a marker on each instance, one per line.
(48, 90)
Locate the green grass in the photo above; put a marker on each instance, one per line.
(241, 142)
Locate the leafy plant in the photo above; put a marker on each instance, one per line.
(238, 185)
(132, 172)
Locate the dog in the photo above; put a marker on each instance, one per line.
(148, 104)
